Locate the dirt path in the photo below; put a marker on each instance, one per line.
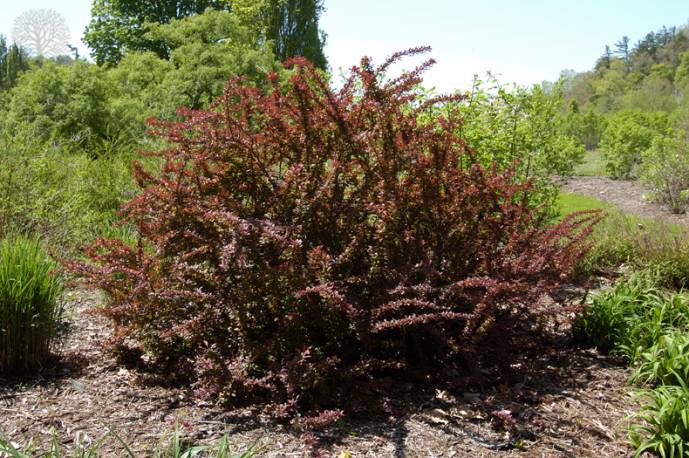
(625, 194)
(568, 403)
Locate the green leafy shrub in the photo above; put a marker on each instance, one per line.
(301, 244)
(586, 128)
(666, 362)
(29, 307)
(662, 425)
(627, 135)
(665, 167)
(66, 105)
(65, 199)
(522, 126)
(205, 50)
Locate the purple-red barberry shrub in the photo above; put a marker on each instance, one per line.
(299, 244)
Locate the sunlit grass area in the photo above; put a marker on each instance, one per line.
(569, 202)
(592, 164)
(624, 239)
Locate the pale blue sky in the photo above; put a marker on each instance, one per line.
(524, 41)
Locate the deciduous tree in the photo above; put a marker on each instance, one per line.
(119, 25)
(292, 25)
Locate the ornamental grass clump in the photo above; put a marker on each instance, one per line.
(29, 304)
(305, 246)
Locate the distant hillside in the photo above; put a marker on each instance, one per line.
(651, 75)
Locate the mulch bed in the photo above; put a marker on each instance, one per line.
(568, 402)
(630, 196)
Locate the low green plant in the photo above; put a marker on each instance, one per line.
(10, 450)
(662, 425)
(661, 314)
(640, 244)
(648, 325)
(29, 303)
(632, 316)
(666, 362)
(609, 321)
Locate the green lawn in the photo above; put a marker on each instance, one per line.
(593, 165)
(570, 202)
(642, 243)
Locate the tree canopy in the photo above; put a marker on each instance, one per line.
(292, 25)
(121, 26)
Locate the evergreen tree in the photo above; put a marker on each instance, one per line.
(3, 60)
(604, 60)
(13, 61)
(622, 50)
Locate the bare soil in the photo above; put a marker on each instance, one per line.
(629, 195)
(568, 402)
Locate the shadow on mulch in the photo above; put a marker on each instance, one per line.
(496, 408)
(53, 371)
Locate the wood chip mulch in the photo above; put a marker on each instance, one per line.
(630, 196)
(569, 403)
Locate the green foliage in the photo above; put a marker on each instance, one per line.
(118, 26)
(287, 27)
(627, 135)
(654, 93)
(67, 199)
(519, 128)
(586, 128)
(628, 318)
(638, 77)
(665, 168)
(204, 52)
(609, 86)
(667, 361)
(682, 73)
(83, 107)
(292, 26)
(65, 105)
(662, 425)
(13, 62)
(141, 79)
(649, 326)
(29, 308)
(504, 126)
